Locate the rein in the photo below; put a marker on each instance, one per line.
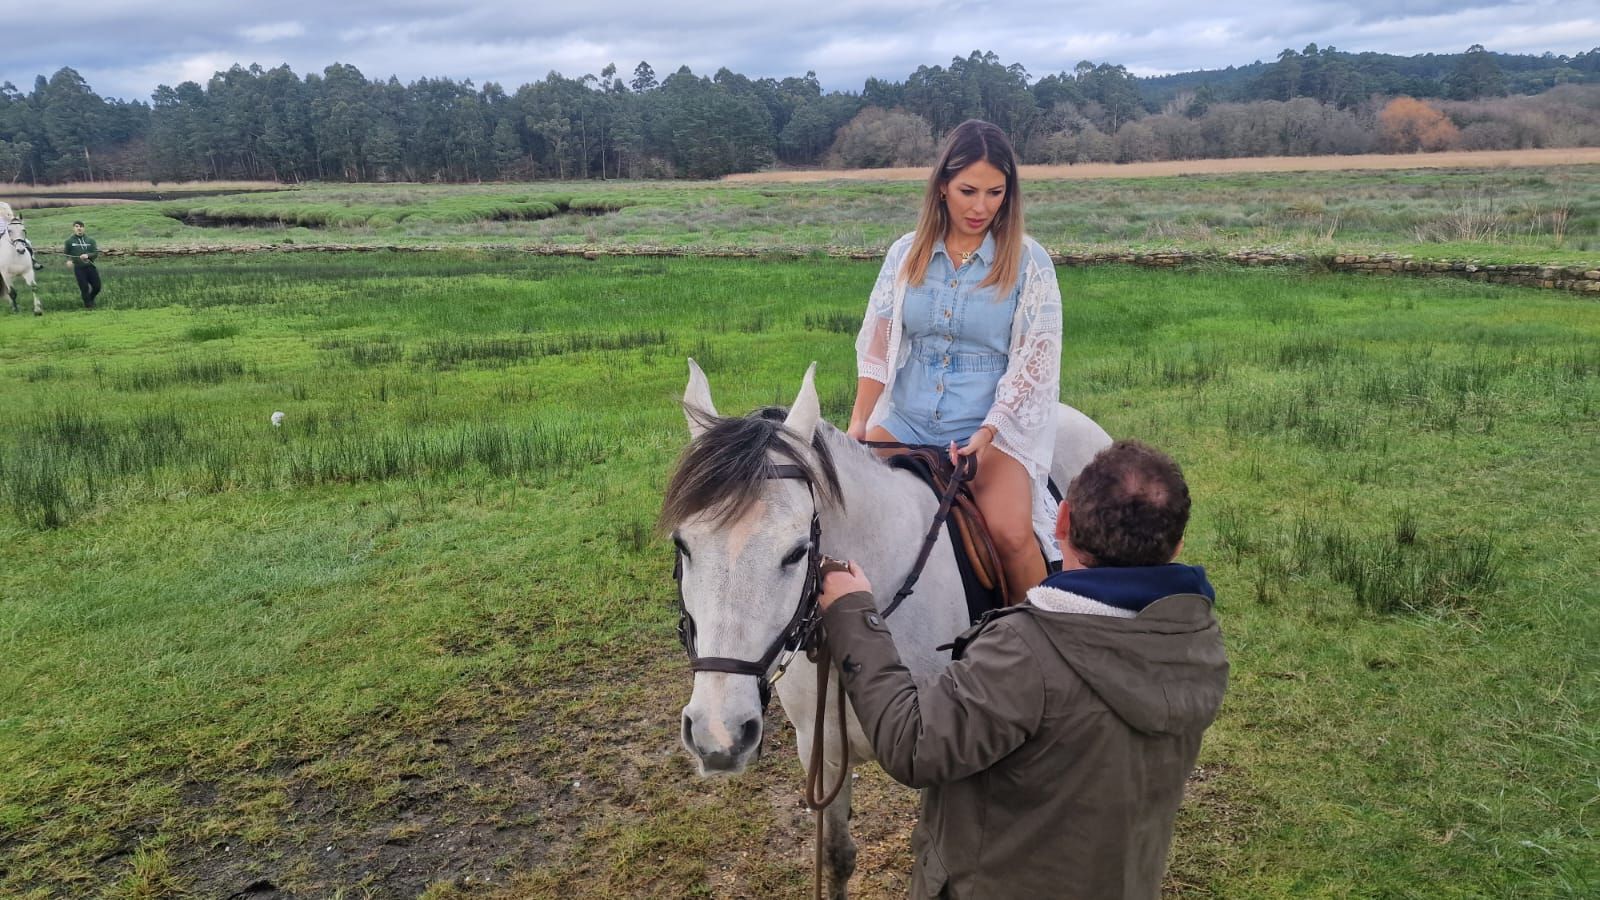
(966, 468)
(802, 633)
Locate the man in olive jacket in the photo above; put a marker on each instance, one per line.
(1053, 751)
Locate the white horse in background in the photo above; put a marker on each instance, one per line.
(16, 260)
(742, 574)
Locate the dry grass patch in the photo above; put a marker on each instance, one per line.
(123, 187)
(1487, 159)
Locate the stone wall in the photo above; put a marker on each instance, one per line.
(1579, 279)
(1560, 278)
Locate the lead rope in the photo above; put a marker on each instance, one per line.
(823, 659)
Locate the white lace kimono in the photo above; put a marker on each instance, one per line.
(1025, 401)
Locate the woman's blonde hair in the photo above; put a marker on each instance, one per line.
(969, 142)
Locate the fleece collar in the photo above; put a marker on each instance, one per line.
(1133, 587)
(1052, 600)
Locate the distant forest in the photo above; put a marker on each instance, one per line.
(255, 123)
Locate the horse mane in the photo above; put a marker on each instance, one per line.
(723, 469)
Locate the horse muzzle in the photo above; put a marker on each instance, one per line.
(723, 737)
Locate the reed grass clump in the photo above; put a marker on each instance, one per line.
(213, 331)
(36, 486)
(366, 352)
(1386, 574)
(501, 450)
(833, 321)
(182, 372)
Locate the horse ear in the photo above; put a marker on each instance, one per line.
(807, 409)
(697, 405)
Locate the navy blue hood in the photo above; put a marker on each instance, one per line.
(1133, 587)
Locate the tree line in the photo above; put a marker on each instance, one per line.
(1345, 79)
(256, 123)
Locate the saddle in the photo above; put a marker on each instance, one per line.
(981, 574)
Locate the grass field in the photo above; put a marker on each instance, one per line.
(1547, 215)
(417, 640)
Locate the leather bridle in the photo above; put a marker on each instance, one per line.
(799, 634)
(802, 632)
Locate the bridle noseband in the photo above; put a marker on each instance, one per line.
(799, 634)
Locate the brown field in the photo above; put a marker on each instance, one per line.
(99, 188)
(46, 202)
(1464, 159)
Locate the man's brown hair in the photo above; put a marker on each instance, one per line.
(1130, 506)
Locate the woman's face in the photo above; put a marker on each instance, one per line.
(972, 197)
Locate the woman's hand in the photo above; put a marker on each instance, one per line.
(857, 431)
(979, 444)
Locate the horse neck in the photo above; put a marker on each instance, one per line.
(886, 513)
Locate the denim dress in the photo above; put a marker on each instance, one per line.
(958, 336)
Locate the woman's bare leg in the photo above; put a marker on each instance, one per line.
(1005, 496)
(880, 433)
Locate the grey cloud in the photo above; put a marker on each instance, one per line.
(131, 46)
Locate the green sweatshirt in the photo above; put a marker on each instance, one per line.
(77, 245)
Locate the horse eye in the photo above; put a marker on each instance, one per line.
(682, 547)
(795, 555)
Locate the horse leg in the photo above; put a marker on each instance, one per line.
(33, 286)
(839, 850)
(11, 291)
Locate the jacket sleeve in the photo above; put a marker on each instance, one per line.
(872, 341)
(1023, 414)
(947, 727)
(94, 250)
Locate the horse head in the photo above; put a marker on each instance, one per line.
(742, 506)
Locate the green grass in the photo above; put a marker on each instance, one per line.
(1490, 215)
(435, 588)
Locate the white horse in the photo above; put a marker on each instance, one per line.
(16, 262)
(741, 514)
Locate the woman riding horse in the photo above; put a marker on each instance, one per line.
(961, 344)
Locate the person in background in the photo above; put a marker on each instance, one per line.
(18, 232)
(83, 251)
(961, 344)
(1052, 752)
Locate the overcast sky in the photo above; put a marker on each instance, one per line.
(124, 48)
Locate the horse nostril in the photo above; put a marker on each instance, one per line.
(688, 731)
(750, 733)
